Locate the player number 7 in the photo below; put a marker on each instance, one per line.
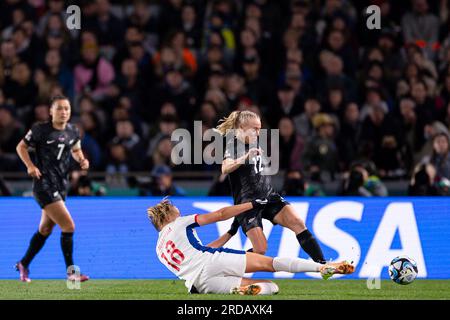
(61, 148)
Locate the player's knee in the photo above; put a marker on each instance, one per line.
(45, 231)
(296, 223)
(70, 227)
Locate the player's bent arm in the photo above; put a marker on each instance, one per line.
(221, 241)
(22, 151)
(223, 214)
(78, 155)
(229, 165)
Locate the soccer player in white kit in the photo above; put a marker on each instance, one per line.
(213, 269)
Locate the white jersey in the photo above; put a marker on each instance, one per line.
(182, 252)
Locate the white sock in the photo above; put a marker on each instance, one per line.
(295, 265)
(267, 288)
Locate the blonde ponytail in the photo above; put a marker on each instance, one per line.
(234, 120)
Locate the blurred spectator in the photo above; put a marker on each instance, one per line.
(381, 135)
(348, 139)
(304, 122)
(8, 58)
(127, 137)
(90, 145)
(55, 7)
(162, 183)
(5, 190)
(145, 18)
(337, 44)
(41, 113)
(235, 90)
(372, 182)
(208, 115)
(440, 157)
(106, 26)
(22, 42)
(21, 90)
(56, 71)
(177, 42)
(82, 185)
(353, 184)
(118, 159)
(335, 102)
(422, 182)
(167, 124)
(429, 131)
(94, 74)
(296, 185)
(259, 88)
(190, 26)
(11, 132)
(163, 152)
(177, 90)
(291, 145)
(420, 27)
(320, 157)
(287, 105)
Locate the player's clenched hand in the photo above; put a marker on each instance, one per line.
(34, 172)
(254, 152)
(84, 164)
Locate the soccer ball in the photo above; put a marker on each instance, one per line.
(403, 270)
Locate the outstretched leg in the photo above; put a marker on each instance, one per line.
(256, 262)
(288, 218)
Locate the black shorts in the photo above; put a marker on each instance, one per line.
(44, 198)
(253, 218)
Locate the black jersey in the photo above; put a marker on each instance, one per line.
(247, 181)
(53, 154)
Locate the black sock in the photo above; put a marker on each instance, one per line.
(310, 245)
(67, 247)
(36, 243)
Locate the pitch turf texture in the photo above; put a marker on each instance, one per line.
(175, 290)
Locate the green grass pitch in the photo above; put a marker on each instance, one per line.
(175, 290)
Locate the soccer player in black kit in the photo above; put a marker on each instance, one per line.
(54, 142)
(244, 167)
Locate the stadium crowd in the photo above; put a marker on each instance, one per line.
(353, 103)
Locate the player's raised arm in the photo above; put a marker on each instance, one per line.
(229, 212)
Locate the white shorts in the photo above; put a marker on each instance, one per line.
(223, 272)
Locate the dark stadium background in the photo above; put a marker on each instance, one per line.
(357, 109)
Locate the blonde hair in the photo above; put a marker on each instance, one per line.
(234, 120)
(159, 213)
